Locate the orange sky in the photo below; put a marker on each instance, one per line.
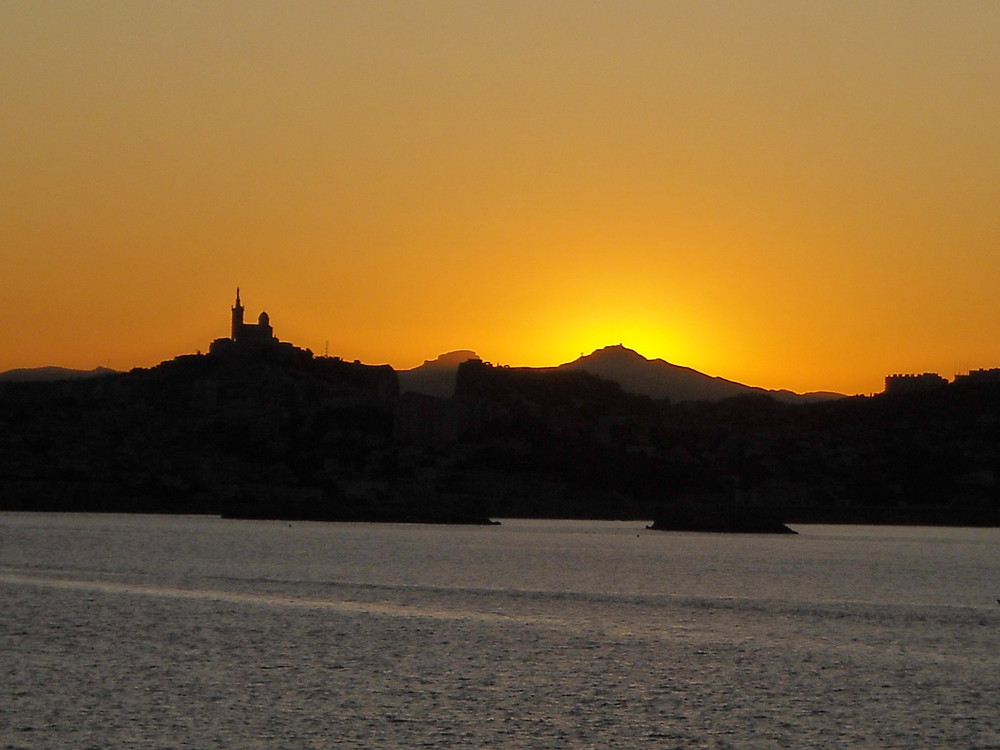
(790, 194)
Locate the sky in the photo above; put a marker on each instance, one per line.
(787, 193)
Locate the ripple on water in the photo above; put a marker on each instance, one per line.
(141, 656)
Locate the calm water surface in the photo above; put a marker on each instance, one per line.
(186, 632)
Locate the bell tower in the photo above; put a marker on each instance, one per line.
(237, 317)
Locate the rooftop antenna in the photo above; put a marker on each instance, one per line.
(326, 349)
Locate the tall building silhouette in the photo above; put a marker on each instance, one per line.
(250, 333)
(248, 337)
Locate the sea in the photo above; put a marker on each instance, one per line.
(144, 631)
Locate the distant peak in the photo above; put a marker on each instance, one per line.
(616, 350)
(454, 358)
(53, 373)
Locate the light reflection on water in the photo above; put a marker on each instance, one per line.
(132, 631)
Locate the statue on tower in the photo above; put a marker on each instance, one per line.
(237, 317)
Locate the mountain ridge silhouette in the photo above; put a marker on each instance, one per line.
(636, 374)
(435, 377)
(49, 373)
(658, 378)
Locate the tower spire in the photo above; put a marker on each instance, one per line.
(237, 328)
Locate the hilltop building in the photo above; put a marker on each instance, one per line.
(923, 383)
(249, 333)
(250, 337)
(930, 381)
(979, 377)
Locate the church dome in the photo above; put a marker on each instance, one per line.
(263, 320)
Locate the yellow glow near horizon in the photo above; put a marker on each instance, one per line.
(790, 195)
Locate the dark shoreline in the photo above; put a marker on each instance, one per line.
(279, 433)
(884, 516)
(862, 516)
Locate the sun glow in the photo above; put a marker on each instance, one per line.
(395, 181)
(587, 329)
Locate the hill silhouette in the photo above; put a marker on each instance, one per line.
(260, 428)
(46, 374)
(435, 377)
(636, 374)
(655, 378)
(659, 379)
(272, 431)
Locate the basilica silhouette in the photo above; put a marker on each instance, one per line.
(246, 336)
(248, 333)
